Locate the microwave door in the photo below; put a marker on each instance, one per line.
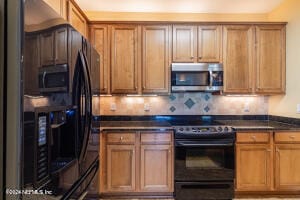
(82, 99)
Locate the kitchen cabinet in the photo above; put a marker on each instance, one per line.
(156, 51)
(270, 59)
(197, 43)
(55, 47)
(254, 59)
(136, 163)
(31, 63)
(60, 6)
(238, 63)
(287, 161)
(253, 162)
(77, 18)
(99, 39)
(124, 59)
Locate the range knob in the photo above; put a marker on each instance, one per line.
(220, 129)
(181, 129)
(226, 129)
(187, 129)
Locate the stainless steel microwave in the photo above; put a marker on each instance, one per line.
(196, 77)
(54, 78)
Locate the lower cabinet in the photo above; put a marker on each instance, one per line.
(136, 163)
(268, 162)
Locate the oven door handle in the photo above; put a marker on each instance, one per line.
(198, 144)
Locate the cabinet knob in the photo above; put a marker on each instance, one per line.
(292, 136)
(277, 150)
(192, 57)
(268, 150)
(200, 57)
(253, 137)
(121, 138)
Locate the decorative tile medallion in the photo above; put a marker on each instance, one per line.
(206, 109)
(189, 103)
(172, 109)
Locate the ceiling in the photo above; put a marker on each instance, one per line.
(180, 6)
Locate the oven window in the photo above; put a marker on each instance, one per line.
(204, 158)
(192, 78)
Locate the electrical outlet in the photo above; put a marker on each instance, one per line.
(246, 107)
(113, 106)
(298, 108)
(146, 107)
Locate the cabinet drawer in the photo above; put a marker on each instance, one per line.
(161, 138)
(287, 137)
(253, 137)
(121, 138)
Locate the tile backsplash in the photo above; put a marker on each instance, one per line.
(181, 104)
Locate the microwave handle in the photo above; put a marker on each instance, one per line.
(210, 78)
(44, 76)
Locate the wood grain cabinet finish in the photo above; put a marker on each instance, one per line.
(124, 59)
(253, 167)
(136, 163)
(184, 43)
(238, 63)
(60, 6)
(197, 43)
(270, 59)
(156, 168)
(76, 18)
(287, 161)
(156, 60)
(55, 47)
(121, 168)
(99, 39)
(31, 64)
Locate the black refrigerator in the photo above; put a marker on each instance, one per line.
(46, 105)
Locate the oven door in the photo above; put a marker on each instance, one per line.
(190, 80)
(204, 160)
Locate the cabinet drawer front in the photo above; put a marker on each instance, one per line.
(253, 137)
(121, 138)
(162, 138)
(287, 137)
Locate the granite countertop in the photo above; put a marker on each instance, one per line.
(266, 125)
(133, 125)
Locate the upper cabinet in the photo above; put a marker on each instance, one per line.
(55, 47)
(77, 18)
(99, 39)
(270, 59)
(254, 59)
(124, 59)
(156, 51)
(238, 58)
(197, 43)
(60, 6)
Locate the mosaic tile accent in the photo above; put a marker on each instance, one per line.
(206, 108)
(183, 103)
(206, 97)
(172, 108)
(189, 103)
(172, 97)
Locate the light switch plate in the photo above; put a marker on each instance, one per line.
(113, 106)
(146, 107)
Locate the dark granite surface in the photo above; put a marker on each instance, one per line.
(239, 122)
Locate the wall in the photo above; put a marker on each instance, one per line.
(182, 104)
(285, 105)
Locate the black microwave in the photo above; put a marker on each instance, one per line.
(54, 78)
(195, 77)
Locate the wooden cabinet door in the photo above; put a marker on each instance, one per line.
(270, 59)
(238, 45)
(99, 39)
(209, 43)
(184, 43)
(155, 59)
(47, 48)
(61, 46)
(121, 168)
(59, 6)
(156, 168)
(124, 59)
(253, 167)
(76, 19)
(31, 64)
(287, 165)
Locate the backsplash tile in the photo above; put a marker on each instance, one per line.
(182, 104)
